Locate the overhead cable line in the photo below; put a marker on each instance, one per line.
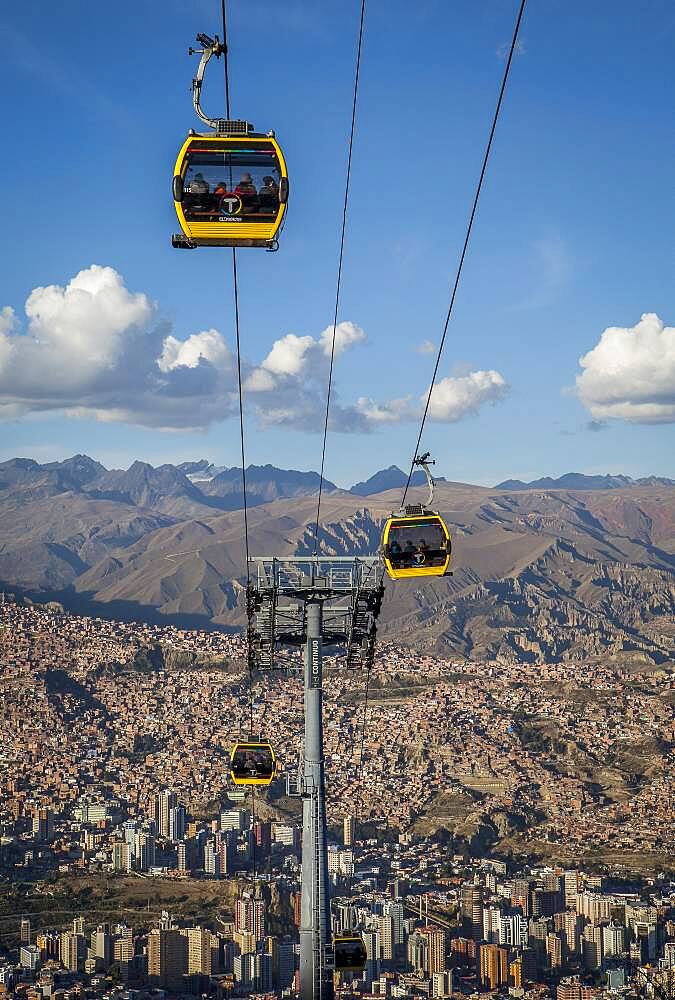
(472, 216)
(455, 286)
(339, 270)
(235, 285)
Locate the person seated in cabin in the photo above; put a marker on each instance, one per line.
(395, 549)
(408, 553)
(246, 192)
(268, 195)
(198, 185)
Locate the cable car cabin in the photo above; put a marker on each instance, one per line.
(350, 954)
(230, 191)
(252, 764)
(416, 545)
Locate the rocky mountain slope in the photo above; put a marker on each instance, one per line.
(539, 574)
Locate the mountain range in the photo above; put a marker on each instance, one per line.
(578, 481)
(541, 572)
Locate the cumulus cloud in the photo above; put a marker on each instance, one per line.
(630, 373)
(346, 335)
(390, 412)
(92, 348)
(289, 355)
(208, 345)
(454, 398)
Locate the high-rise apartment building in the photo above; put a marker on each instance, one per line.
(512, 931)
(435, 938)
(591, 947)
(29, 957)
(516, 977)
(472, 910)
(494, 966)
(167, 958)
(568, 926)
(284, 964)
(101, 945)
(211, 860)
(49, 944)
(123, 947)
(596, 907)
(349, 830)
(176, 823)
(613, 939)
(43, 824)
(165, 801)
(554, 951)
(235, 819)
(144, 850)
(25, 930)
(385, 926)
(73, 951)
(262, 838)
(570, 889)
(199, 950)
(249, 915)
(395, 910)
(121, 855)
(492, 917)
(371, 941)
(441, 984)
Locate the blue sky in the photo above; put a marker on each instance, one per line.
(573, 236)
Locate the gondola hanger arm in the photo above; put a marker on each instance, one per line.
(424, 461)
(210, 47)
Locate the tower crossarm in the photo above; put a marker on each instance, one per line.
(348, 588)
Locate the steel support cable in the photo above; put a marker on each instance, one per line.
(235, 285)
(472, 216)
(339, 270)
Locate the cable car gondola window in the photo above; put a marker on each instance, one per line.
(252, 764)
(222, 182)
(416, 543)
(350, 954)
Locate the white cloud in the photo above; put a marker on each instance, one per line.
(630, 373)
(208, 345)
(94, 349)
(390, 412)
(288, 355)
(84, 323)
(426, 347)
(260, 380)
(454, 398)
(7, 320)
(346, 335)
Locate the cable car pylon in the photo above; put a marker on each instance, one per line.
(314, 601)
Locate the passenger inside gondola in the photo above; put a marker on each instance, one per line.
(416, 544)
(268, 195)
(252, 762)
(213, 174)
(246, 191)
